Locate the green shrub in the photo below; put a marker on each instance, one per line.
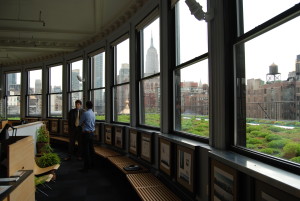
(46, 148)
(279, 122)
(277, 143)
(48, 159)
(267, 151)
(272, 137)
(251, 128)
(42, 134)
(296, 159)
(291, 150)
(252, 146)
(275, 129)
(255, 133)
(254, 141)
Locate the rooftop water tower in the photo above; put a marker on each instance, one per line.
(273, 74)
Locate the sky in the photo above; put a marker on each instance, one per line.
(280, 45)
(35, 75)
(192, 43)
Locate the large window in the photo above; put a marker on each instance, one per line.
(191, 106)
(13, 92)
(150, 74)
(34, 93)
(55, 91)
(76, 82)
(268, 78)
(121, 93)
(97, 65)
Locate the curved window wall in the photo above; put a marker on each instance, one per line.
(266, 115)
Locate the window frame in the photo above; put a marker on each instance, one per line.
(6, 90)
(49, 93)
(178, 66)
(115, 85)
(239, 75)
(33, 94)
(91, 70)
(141, 77)
(70, 91)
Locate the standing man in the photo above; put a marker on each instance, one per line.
(75, 130)
(87, 121)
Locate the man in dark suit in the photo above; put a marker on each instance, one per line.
(75, 130)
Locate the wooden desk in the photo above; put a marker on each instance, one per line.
(20, 156)
(23, 186)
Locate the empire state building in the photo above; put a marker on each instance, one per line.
(151, 60)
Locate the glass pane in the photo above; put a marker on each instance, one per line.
(121, 104)
(98, 69)
(55, 105)
(264, 10)
(35, 81)
(35, 105)
(191, 33)
(122, 61)
(55, 79)
(150, 103)
(76, 75)
(13, 84)
(98, 98)
(76, 96)
(13, 107)
(151, 49)
(192, 99)
(272, 90)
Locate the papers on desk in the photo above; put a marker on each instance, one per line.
(19, 173)
(9, 179)
(4, 188)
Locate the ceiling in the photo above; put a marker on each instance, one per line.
(36, 30)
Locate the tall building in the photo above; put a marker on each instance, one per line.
(123, 73)
(99, 75)
(98, 63)
(152, 86)
(75, 81)
(151, 60)
(123, 91)
(12, 78)
(38, 86)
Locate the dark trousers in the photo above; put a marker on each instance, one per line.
(88, 149)
(75, 134)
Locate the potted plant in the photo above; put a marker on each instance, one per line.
(42, 138)
(48, 159)
(46, 148)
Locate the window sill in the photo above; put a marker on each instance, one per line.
(192, 144)
(279, 178)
